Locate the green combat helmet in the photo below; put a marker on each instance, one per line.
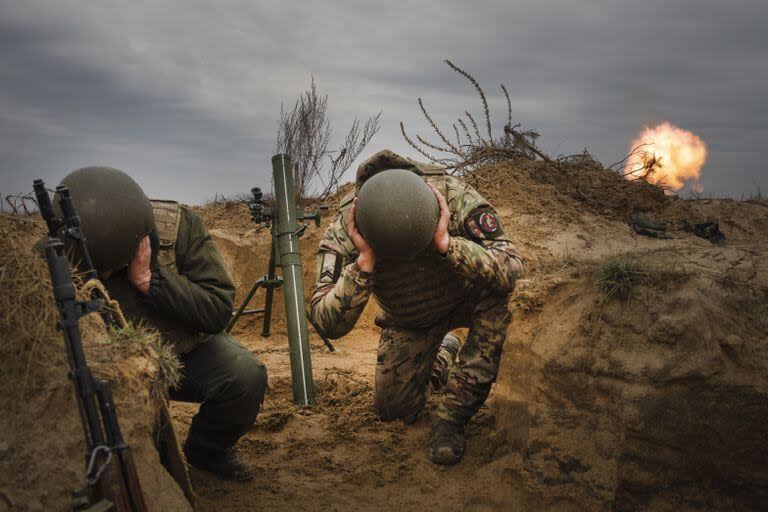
(396, 214)
(114, 212)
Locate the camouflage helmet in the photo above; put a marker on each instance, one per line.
(396, 214)
(114, 212)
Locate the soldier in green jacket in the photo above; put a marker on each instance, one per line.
(462, 279)
(158, 260)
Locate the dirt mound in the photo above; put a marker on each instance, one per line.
(649, 401)
(656, 398)
(538, 200)
(41, 439)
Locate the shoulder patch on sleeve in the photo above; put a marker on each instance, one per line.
(483, 224)
(330, 267)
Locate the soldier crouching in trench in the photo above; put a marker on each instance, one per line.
(157, 259)
(433, 266)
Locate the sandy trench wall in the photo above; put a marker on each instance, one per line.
(662, 399)
(246, 254)
(42, 449)
(653, 403)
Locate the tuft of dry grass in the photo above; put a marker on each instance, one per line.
(27, 313)
(617, 278)
(144, 339)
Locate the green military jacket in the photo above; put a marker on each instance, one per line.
(417, 293)
(191, 293)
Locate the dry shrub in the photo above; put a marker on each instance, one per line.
(27, 314)
(305, 134)
(469, 149)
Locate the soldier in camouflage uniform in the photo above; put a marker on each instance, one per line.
(464, 279)
(176, 281)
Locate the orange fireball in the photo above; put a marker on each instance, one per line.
(673, 155)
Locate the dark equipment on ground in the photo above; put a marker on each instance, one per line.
(709, 230)
(644, 225)
(396, 214)
(284, 251)
(112, 482)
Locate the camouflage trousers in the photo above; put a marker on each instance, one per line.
(406, 359)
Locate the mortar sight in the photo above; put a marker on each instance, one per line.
(259, 212)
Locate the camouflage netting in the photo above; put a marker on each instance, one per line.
(41, 439)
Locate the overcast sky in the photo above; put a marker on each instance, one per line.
(185, 95)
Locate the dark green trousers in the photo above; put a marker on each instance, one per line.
(230, 384)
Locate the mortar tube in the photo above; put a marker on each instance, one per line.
(285, 231)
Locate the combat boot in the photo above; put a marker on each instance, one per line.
(225, 465)
(446, 443)
(445, 360)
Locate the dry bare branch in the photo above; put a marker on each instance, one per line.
(464, 127)
(437, 129)
(430, 145)
(305, 134)
(22, 204)
(636, 150)
(472, 149)
(479, 141)
(509, 105)
(479, 89)
(414, 146)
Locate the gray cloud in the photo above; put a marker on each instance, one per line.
(185, 95)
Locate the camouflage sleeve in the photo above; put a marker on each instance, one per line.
(341, 290)
(495, 262)
(478, 249)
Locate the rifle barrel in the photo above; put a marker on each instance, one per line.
(46, 208)
(75, 231)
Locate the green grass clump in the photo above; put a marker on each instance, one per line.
(617, 278)
(145, 338)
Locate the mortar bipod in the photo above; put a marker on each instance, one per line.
(269, 282)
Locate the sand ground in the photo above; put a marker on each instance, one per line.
(338, 456)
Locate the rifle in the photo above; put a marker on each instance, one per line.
(112, 483)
